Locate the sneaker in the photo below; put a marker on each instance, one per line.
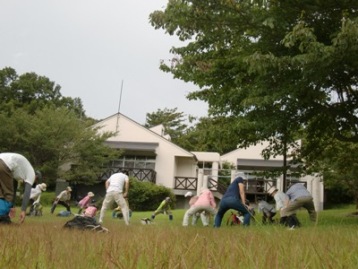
(153, 216)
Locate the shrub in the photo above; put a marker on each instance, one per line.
(146, 196)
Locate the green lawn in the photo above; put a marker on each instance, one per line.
(42, 242)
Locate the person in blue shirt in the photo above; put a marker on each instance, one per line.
(234, 198)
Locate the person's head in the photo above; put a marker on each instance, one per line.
(125, 172)
(242, 175)
(69, 189)
(271, 191)
(90, 194)
(167, 199)
(42, 186)
(38, 176)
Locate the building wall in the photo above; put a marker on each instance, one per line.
(170, 158)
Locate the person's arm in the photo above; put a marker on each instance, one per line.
(125, 194)
(107, 184)
(38, 199)
(242, 194)
(25, 201)
(212, 200)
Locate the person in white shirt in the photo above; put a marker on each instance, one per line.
(35, 196)
(117, 187)
(14, 168)
(282, 200)
(64, 199)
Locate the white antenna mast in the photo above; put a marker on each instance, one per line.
(119, 106)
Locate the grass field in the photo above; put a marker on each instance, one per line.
(42, 242)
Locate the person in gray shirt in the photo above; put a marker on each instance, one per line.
(300, 197)
(268, 211)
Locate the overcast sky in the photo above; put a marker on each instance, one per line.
(89, 47)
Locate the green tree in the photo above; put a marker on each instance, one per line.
(274, 66)
(172, 120)
(33, 92)
(54, 139)
(338, 163)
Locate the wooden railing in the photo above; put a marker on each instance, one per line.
(148, 175)
(186, 183)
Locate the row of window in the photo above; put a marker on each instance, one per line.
(139, 162)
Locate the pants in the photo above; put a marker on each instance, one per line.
(61, 203)
(195, 209)
(231, 203)
(267, 215)
(119, 199)
(6, 183)
(305, 202)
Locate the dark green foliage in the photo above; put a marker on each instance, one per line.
(146, 196)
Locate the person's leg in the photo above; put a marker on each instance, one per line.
(190, 212)
(272, 214)
(6, 182)
(54, 204)
(205, 215)
(65, 205)
(124, 206)
(223, 207)
(239, 206)
(309, 206)
(264, 217)
(106, 203)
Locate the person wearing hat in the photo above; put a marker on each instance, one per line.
(192, 199)
(63, 199)
(234, 198)
(14, 168)
(204, 203)
(85, 201)
(35, 196)
(164, 208)
(282, 200)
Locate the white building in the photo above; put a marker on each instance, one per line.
(151, 156)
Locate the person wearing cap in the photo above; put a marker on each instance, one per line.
(282, 200)
(204, 203)
(35, 196)
(164, 208)
(63, 199)
(117, 187)
(300, 197)
(234, 198)
(14, 168)
(268, 211)
(192, 199)
(85, 201)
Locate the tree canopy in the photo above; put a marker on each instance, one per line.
(51, 130)
(275, 67)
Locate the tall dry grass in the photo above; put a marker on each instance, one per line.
(42, 242)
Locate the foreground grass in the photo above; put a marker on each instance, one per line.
(42, 242)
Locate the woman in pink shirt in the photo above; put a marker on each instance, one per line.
(205, 202)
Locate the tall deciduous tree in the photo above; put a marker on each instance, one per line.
(276, 66)
(270, 62)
